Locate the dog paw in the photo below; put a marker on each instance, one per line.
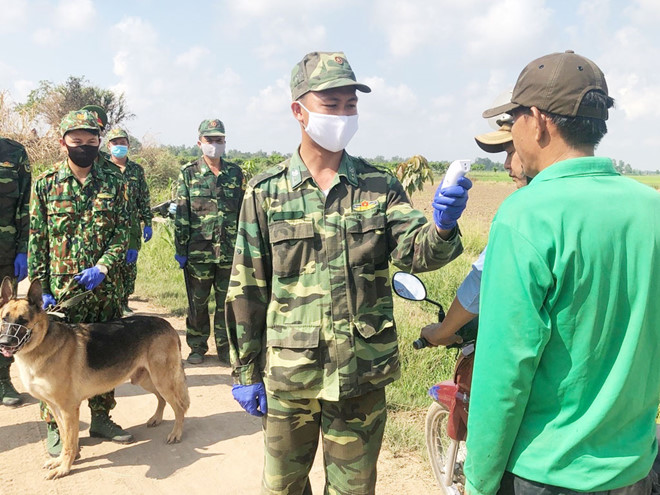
(54, 474)
(52, 463)
(154, 421)
(174, 437)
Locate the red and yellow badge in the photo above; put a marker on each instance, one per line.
(80, 116)
(365, 205)
(339, 60)
(213, 123)
(6, 164)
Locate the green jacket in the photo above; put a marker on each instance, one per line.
(139, 202)
(14, 200)
(567, 369)
(74, 227)
(207, 212)
(309, 307)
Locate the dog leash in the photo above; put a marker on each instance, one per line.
(72, 301)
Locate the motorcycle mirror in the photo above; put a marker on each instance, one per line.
(408, 286)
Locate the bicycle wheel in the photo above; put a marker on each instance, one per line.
(437, 444)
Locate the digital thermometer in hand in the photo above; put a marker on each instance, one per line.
(457, 169)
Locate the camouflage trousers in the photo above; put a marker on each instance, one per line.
(5, 362)
(352, 433)
(103, 304)
(201, 278)
(127, 275)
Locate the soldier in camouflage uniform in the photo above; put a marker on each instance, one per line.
(309, 306)
(14, 229)
(209, 196)
(78, 238)
(139, 209)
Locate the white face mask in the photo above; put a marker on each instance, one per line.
(331, 132)
(213, 150)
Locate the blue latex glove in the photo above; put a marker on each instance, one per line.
(47, 300)
(20, 266)
(182, 260)
(251, 398)
(90, 277)
(449, 203)
(147, 233)
(131, 256)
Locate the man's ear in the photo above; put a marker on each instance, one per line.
(540, 126)
(296, 110)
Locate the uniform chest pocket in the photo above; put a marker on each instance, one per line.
(62, 217)
(8, 185)
(293, 248)
(366, 239)
(231, 197)
(204, 216)
(103, 215)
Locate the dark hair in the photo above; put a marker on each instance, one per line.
(584, 131)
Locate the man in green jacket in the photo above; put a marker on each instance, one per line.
(309, 308)
(14, 229)
(138, 209)
(209, 195)
(567, 369)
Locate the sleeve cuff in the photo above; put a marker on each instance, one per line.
(247, 374)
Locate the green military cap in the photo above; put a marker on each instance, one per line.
(116, 132)
(213, 127)
(318, 71)
(79, 119)
(102, 117)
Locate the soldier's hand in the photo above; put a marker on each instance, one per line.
(90, 277)
(147, 233)
(131, 256)
(182, 260)
(252, 398)
(20, 266)
(47, 300)
(449, 203)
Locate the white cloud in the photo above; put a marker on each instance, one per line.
(14, 14)
(75, 14)
(191, 59)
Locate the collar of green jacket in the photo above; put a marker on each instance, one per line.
(575, 167)
(64, 171)
(298, 172)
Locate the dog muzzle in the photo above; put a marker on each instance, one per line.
(13, 337)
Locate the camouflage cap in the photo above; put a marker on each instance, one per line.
(102, 117)
(79, 119)
(318, 71)
(213, 127)
(116, 133)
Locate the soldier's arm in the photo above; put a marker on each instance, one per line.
(249, 292)
(144, 200)
(38, 244)
(415, 244)
(23, 209)
(182, 217)
(115, 251)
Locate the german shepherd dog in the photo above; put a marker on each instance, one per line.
(64, 364)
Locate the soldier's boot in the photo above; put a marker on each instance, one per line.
(8, 394)
(53, 441)
(126, 311)
(195, 357)
(103, 427)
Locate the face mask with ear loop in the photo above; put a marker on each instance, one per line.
(331, 132)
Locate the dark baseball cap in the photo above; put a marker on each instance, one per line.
(557, 83)
(318, 71)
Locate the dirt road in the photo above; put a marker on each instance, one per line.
(221, 451)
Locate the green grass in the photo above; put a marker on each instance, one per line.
(649, 180)
(489, 176)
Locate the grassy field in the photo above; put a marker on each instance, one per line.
(649, 180)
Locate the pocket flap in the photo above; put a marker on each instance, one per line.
(294, 336)
(361, 224)
(284, 231)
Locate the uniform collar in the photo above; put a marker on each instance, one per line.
(576, 167)
(298, 172)
(204, 168)
(65, 172)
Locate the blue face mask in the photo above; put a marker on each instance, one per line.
(119, 150)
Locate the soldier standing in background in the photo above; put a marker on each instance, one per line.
(78, 238)
(14, 229)
(210, 192)
(139, 210)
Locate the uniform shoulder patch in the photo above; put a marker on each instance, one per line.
(269, 173)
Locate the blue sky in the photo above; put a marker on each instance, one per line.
(433, 66)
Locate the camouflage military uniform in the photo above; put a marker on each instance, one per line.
(139, 211)
(74, 227)
(310, 312)
(14, 214)
(205, 232)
